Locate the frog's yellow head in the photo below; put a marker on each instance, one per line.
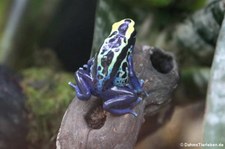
(124, 27)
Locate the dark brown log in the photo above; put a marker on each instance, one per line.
(87, 126)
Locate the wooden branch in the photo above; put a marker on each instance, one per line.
(86, 125)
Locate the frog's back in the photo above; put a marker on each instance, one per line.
(111, 62)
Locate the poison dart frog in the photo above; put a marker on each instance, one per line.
(110, 73)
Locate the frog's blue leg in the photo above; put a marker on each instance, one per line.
(136, 84)
(84, 83)
(120, 100)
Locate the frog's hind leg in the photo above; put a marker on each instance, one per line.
(120, 100)
(107, 106)
(123, 111)
(83, 84)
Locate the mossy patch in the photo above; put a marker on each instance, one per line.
(48, 96)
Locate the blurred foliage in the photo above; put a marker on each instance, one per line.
(185, 5)
(195, 81)
(158, 3)
(190, 5)
(19, 40)
(4, 10)
(151, 17)
(198, 34)
(193, 84)
(48, 96)
(108, 12)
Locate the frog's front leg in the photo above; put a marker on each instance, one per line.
(120, 100)
(136, 84)
(84, 83)
(87, 66)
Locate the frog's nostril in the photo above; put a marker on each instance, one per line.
(161, 61)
